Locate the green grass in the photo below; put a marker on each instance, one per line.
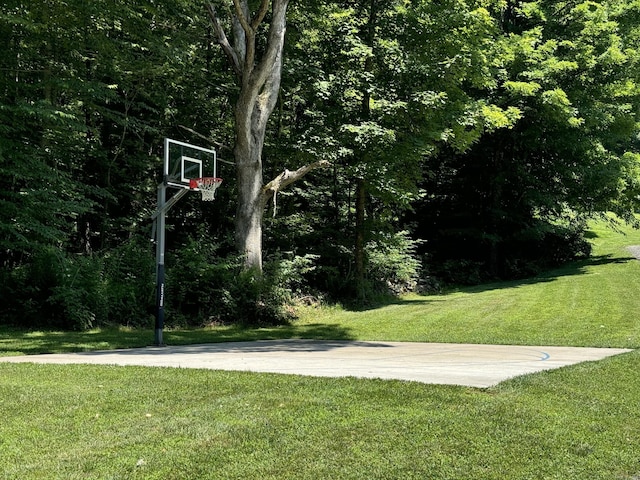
(579, 422)
(25, 342)
(594, 302)
(72, 422)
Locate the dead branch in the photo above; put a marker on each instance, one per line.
(286, 178)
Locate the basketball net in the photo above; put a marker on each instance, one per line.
(207, 187)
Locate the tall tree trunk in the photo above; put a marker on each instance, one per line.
(361, 195)
(259, 80)
(360, 239)
(250, 208)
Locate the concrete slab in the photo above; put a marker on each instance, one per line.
(435, 363)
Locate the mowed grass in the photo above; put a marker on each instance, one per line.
(595, 302)
(81, 422)
(579, 422)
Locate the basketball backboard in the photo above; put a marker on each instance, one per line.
(184, 162)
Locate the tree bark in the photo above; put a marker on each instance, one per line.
(360, 239)
(361, 193)
(259, 81)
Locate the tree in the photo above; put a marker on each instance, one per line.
(87, 91)
(39, 191)
(517, 200)
(380, 86)
(259, 78)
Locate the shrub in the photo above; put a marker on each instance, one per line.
(28, 287)
(128, 283)
(76, 292)
(392, 264)
(203, 287)
(526, 253)
(78, 301)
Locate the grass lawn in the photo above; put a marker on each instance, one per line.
(594, 302)
(579, 422)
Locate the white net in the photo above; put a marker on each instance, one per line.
(207, 187)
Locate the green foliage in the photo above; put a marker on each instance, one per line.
(590, 302)
(569, 78)
(380, 101)
(325, 268)
(489, 129)
(392, 263)
(129, 283)
(205, 287)
(576, 420)
(494, 242)
(78, 300)
(79, 291)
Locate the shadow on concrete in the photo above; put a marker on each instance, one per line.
(259, 346)
(21, 342)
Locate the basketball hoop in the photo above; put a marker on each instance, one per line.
(206, 185)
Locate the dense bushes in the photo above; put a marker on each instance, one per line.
(393, 266)
(204, 285)
(468, 259)
(69, 291)
(489, 147)
(58, 290)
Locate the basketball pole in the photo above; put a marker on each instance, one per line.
(160, 246)
(181, 177)
(159, 223)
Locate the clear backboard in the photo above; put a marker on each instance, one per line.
(184, 162)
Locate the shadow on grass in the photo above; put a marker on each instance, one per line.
(21, 342)
(389, 300)
(15, 341)
(238, 333)
(580, 267)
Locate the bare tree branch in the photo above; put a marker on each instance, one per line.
(224, 42)
(260, 79)
(286, 178)
(259, 16)
(270, 63)
(218, 145)
(241, 14)
(239, 38)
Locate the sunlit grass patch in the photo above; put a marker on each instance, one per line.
(131, 422)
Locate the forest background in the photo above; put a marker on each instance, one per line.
(468, 141)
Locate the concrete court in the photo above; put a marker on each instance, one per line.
(435, 363)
